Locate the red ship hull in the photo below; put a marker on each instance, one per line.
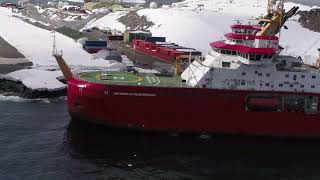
(194, 110)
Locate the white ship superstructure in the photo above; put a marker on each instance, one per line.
(250, 60)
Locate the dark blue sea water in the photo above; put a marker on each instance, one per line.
(39, 142)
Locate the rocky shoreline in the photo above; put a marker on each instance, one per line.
(16, 88)
(12, 60)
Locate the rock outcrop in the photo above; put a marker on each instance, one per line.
(310, 19)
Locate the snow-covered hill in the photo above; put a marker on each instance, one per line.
(185, 24)
(36, 45)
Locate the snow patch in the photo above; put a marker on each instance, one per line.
(36, 43)
(38, 79)
(109, 21)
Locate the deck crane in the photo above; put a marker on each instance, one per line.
(276, 17)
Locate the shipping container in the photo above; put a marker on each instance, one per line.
(95, 43)
(130, 35)
(156, 50)
(168, 54)
(192, 51)
(93, 50)
(155, 39)
(178, 47)
(115, 38)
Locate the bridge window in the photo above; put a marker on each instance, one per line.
(258, 57)
(228, 52)
(294, 77)
(223, 51)
(267, 84)
(252, 57)
(234, 53)
(226, 64)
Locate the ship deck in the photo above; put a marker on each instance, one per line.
(131, 79)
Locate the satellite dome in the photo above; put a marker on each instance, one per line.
(153, 5)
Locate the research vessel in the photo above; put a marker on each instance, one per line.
(242, 86)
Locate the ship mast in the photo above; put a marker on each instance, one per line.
(270, 6)
(66, 71)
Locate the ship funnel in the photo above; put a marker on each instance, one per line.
(66, 71)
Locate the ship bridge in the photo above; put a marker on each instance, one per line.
(245, 29)
(248, 54)
(253, 40)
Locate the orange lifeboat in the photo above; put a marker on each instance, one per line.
(272, 102)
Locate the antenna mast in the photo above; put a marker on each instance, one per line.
(54, 48)
(270, 6)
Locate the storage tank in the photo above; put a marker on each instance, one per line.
(153, 5)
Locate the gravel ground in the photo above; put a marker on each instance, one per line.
(45, 17)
